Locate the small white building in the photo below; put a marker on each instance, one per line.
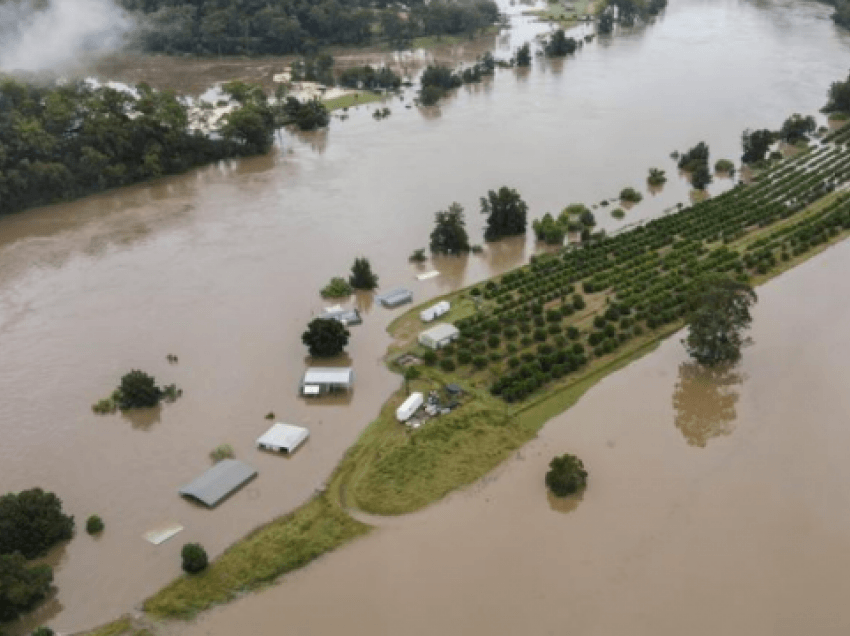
(318, 380)
(409, 407)
(438, 336)
(435, 311)
(283, 438)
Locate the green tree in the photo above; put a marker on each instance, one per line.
(755, 144)
(21, 587)
(523, 55)
(138, 390)
(43, 631)
(362, 276)
(698, 155)
(566, 475)
(797, 128)
(410, 374)
(606, 23)
(506, 213)
(656, 177)
(559, 45)
(31, 522)
(94, 524)
(194, 558)
(701, 177)
(449, 235)
(838, 98)
(717, 323)
(325, 338)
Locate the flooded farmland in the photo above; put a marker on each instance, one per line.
(222, 267)
(747, 532)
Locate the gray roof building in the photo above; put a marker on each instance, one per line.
(219, 481)
(395, 297)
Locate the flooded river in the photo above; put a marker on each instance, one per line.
(746, 532)
(222, 267)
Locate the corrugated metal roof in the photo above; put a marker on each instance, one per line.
(219, 481)
(440, 332)
(328, 375)
(396, 297)
(284, 436)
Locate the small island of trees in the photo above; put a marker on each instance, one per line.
(137, 390)
(566, 476)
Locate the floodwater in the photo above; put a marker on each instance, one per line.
(714, 506)
(222, 267)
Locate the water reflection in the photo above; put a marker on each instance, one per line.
(452, 270)
(143, 419)
(704, 400)
(564, 504)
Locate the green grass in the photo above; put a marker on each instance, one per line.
(352, 99)
(285, 544)
(115, 628)
(437, 41)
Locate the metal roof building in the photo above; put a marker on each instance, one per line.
(395, 297)
(219, 481)
(318, 380)
(283, 438)
(348, 317)
(438, 335)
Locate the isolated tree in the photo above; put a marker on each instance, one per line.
(559, 45)
(138, 390)
(606, 23)
(755, 144)
(21, 587)
(449, 235)
(506, 213)
(31, 522)
(721, 314)
(362, 276)
(523, 55)
(797, 128)
(94, 524)
(566, 475)
(694, 158)
(656, 177)
(325, 337)
(194, 558)
(701, 177)
(838, 97)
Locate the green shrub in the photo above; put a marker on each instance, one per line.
(21, 587)
(447, 364)
(194, 558)
(479, 361)
(337, 288)
(724, 165)
(630, 195)
(618, 213)
(429, 357)
(222, 451)
(94, 525)
(566, 475)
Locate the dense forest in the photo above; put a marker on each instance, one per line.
(67, 141)
(254, 27)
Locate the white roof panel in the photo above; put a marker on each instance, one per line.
(284, 436)
(441, 331)
(328, 375)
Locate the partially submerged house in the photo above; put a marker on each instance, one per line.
(283, 438)
(348, 317)
(439, 336)
(435, 311)
(395, 297)
(319, 380)
(219, 482)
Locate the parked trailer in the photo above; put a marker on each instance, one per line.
(409, 407)
(435, 311)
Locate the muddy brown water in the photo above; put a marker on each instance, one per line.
(745, 532)
(222, 267)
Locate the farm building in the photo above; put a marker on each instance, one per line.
(283, 438)
(409, 407)
(318, 380)
(348, 317)
(395, 297)
(435, 311)
(438, 336)
(218, 482)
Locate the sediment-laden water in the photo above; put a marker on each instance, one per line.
(222, 267)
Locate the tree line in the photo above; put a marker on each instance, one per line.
(258, 27)
(63, 142)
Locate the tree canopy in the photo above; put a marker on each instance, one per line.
(362, 276)
(838, 97)
(506, 213)
(566, 475)
(797, 128)
(31, 522)
(21, 587)
(523, 55)
(325, 338)
(559, 45)
(755, 144)
(449, 235)
(721, 314)
(693, 158)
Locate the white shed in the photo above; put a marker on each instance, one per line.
(409, 407)
(438, 336)
(283, 438)
(435, 311)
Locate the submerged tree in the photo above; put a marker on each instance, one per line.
(566, 475)
(656, 177)
(755, 144)
(21, 587)
(506, 213)
(362, 276)
(31, 522)
(559, 45)
(138, 390)
(449, 235)
(523, 55)
(797, 128)
(701, 177)
(721, 314)
(325, 337)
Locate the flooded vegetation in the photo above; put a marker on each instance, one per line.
(222, 265)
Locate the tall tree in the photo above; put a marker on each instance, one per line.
(523, 55)
(797, 128)
(449, 235)
(755, 144)
(721, 314)
(21, 587)
(325, 338)
(31, 522)
(362, 276)
(506, 213)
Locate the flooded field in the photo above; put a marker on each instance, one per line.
(714, 506)
(222, 267)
